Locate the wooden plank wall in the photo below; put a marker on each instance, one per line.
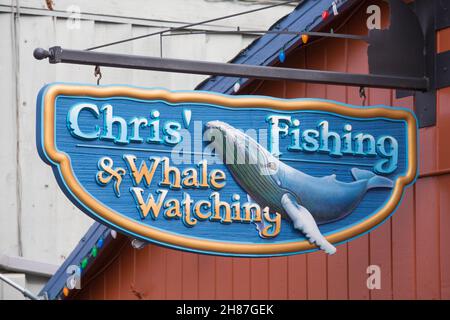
(412, 248)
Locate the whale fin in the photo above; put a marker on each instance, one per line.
(359, 174)
(259, 225)
(304, 221)
(374, 181)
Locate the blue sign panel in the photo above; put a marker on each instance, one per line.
(239, 176)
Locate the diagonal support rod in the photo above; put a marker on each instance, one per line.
(26, 293)
(59, 55)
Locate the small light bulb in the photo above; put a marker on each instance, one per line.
(100, 243)
(84, 263)
(94, 252)
(66, 292)
(335, 10)
(305, 38)
(282, 56)
(237, 86)
(138, 244)
(113, 234)
(325, 14)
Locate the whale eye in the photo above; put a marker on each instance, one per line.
(272, 165)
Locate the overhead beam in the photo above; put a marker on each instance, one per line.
(19, 264)
(60, 55)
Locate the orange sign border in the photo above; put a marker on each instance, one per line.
(220, 247)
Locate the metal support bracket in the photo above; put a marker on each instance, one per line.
(408, 47)
(443, 70)
(431, 16)
(425, 102)
(442, 9)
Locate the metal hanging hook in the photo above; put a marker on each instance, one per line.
(98, 74)
(362, 95)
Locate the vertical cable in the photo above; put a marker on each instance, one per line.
(15, 21)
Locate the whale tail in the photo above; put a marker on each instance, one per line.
(374, 180)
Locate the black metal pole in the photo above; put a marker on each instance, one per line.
(59, 55)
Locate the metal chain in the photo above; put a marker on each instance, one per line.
(98, 74)
(362, 95)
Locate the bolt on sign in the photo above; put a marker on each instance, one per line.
(238, 176)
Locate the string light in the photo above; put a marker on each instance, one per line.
(66, 292)
(282, 56)
(100, 243)
(113, 234)
(305, 38)
(84, 263)
(138, 244)
(335, 10)
(94, 252)
(325, 14)
(237, 86)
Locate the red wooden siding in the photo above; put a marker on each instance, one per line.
(412, 248)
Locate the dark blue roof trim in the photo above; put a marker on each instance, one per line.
(263, 51)
(53, 288)
(307, 16)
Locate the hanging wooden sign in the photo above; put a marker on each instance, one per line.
(240, 176)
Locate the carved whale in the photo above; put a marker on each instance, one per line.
(305, 200)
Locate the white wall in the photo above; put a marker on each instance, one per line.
(36, 219)
(9, 293)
